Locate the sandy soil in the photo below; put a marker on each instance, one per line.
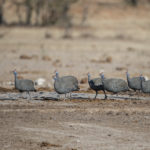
(111, 43)
(75, 124)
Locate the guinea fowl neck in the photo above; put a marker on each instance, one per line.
(54, 78)
(141, 82)
(128, 77)
(15, 74)
(89, 77)
(102, 78)
(57, 75)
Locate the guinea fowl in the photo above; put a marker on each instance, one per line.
(114, 85)
(134, 83)
(65, 84)
(96, 85)
(23, 85)
(145, 85)
(71, 79)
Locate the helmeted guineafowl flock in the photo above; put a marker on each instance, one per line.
(68, 84)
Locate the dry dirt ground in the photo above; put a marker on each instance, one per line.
(113, 42)
(75, 125)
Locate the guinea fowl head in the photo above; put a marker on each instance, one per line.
(102, 75)
(15, 72)
(56, 74)
(142, 78)
(89, 76)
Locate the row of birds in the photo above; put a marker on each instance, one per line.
(68, 84)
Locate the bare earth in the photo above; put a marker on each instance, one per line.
(75, 124)
(109, 43)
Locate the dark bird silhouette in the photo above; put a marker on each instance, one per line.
(96, 85)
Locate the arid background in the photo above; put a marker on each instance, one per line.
(110, 36)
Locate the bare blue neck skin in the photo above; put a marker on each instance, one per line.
(89, 77)
(15, 74)
(57, 75)
(102, 76)
(128, 76)
(55, 78)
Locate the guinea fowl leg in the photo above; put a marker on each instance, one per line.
(70, 94)
(20, 94)
(65, 96)
(29, 96)
(105, 94)
(96, 95)
(24, 95)
(58, 96)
